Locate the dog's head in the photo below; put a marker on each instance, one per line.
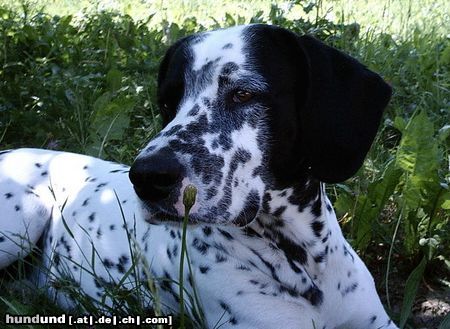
(251, 109)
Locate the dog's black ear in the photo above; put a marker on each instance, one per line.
(171, 79)
(342, 111)
(167, 58)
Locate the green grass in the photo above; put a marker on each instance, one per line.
(77, 78)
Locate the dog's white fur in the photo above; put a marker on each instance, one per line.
(67, 186)
(289, 267)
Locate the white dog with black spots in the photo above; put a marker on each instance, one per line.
(257, 119)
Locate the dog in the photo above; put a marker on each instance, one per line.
(257, 119)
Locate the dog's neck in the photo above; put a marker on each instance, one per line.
(300, 220)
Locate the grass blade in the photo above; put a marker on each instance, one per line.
(412, 284)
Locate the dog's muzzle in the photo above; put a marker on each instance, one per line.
(157, 176)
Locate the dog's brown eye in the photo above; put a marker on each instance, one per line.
(242, 96)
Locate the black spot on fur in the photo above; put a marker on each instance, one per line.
(279, 211)
(351, 288)
(293, 252)
(267, 264)
(91, 217)
(166, 285)
(203, 269)
(304, 193)
(211, 192)
(173, 130)
(243, 267)
(8, 195)
(226, 234)
(175, 250)
(249, 210)
(316, 208)
(56, 258)
(190, 279)
(229, 68)
(201, 78)
(100, 186)
(266, 200)
(201, 246)
(220, 258)
(122, 262)
(289, 290)
(207, 230)
(194, 110)
(225, 141)
(329, 208)
(108, 263)
(319, 258)
(317, 227)
(225, 307)
(347, 253)
(314, 295)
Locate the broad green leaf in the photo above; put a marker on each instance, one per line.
(418, 155)
(114, 79)
(110, 120)
(101, 102)
(446, 205)
(412, 284)
(344, 203)
(370, 205)
(399, 123)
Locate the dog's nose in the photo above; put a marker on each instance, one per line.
(154, 177)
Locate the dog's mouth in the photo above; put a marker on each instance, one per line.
(173, 209)
(157, 214)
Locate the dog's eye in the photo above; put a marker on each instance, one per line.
(242, 96)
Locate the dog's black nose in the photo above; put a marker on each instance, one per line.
(154, 177)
